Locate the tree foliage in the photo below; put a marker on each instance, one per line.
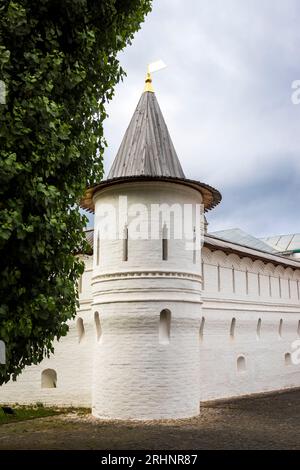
(58, 60)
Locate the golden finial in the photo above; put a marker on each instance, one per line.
(154, 67)
(148, 82)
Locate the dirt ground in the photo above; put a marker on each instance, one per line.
(265, 422)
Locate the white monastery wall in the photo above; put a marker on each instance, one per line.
(72, 362)
(263, 344)
(251, 317)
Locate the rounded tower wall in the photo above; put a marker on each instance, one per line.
(146, 363)
(144, 198)
(142, 373)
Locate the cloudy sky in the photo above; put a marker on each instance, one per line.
(226, 98)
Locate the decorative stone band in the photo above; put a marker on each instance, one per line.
(183, 296)
(146, 274)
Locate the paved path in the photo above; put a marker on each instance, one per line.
(267, 422)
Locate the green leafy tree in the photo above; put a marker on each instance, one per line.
(58, 60)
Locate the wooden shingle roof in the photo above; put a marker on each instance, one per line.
(147, 148)
(147, 153)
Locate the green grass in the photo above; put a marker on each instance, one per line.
(23, 413)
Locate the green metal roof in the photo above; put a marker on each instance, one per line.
(236, 235)
(284, 243)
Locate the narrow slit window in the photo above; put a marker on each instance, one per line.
(279, 285)
(258, 284)
(80, 284)
(98, 248)
(164, 327)
(232, 328)
(165, 243)
(202, 325)
(258, 329)
(194, 246)
(280, 329)
(80, 329)
(125, 244)
(98, 326)
(247, 282)
(233, 279)
(203, 276)
(219, 277)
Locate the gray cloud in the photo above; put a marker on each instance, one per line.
(226, 98)
(265, 205)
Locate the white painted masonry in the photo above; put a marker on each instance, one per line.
(161, 328)
(134, 375)
(271, 299)
(152, 364)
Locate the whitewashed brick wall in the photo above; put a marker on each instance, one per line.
(272, 295)
(135, 376)
(127, 373)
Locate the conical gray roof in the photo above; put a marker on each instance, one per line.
(147, 153)
(146, 148)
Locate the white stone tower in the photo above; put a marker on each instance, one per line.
(146, 290)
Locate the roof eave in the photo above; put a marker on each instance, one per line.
(211, 196)
(255, 254)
